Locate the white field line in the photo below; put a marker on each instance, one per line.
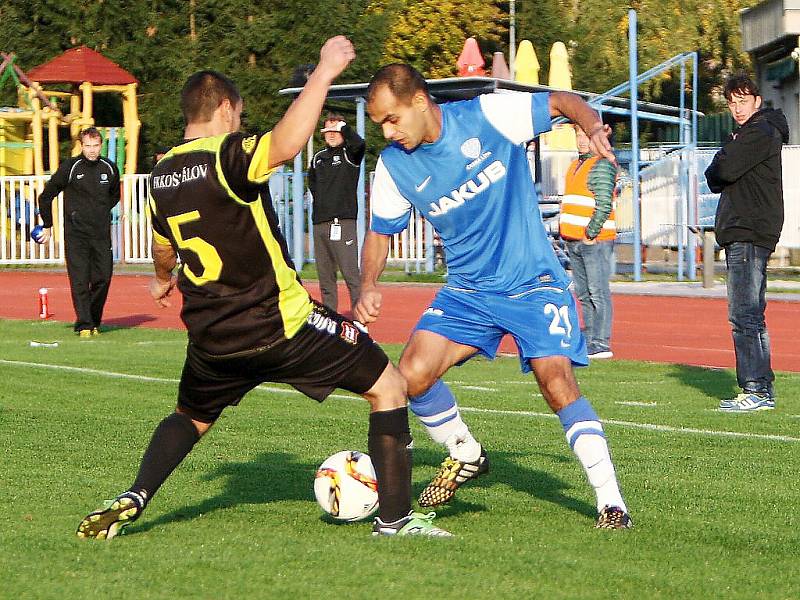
(633, 403)
(113, 375)
(486, 411)
(477, 388)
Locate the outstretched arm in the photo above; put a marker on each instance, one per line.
(298, 123)
(575, 108)
(373, 261)
(354, 144)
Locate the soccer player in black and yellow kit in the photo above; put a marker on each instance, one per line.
(248, 317)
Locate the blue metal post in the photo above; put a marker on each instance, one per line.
(429, 248)
(298, 213)
(680, 230)
(691, 187)
(361, 226)
(684, 197)
(694, 98)
(634, 93)
(682, 126)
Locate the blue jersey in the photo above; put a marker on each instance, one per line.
(474, 185)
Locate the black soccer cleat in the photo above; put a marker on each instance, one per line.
(452, 475)
(108, 522)
(613, 517)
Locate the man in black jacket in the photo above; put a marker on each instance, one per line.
(91, 189)
(747, 172)
(332, 179)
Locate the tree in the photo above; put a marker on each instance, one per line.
(429, 34)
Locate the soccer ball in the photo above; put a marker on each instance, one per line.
(346, 487)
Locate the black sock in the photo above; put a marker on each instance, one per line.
(389, 437)
(172, 440)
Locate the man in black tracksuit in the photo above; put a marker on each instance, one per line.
(91, 189)
(748, 173)
(332, 179)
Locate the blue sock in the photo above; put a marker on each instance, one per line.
(578, 419)
(588, 441)
(438, 412)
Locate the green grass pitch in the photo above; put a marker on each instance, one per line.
(714, 496)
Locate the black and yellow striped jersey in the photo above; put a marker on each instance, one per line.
(210, 201)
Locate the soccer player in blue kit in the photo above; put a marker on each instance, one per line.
(463, 166)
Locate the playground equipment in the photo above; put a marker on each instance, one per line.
(87, 72)
(21, 127)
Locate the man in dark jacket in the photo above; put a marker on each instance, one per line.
(332, 179)
(91, 189)
(747, 172)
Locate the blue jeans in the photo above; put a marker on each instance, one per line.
(747, 287)
(591, 271)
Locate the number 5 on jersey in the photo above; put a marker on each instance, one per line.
(206, 253)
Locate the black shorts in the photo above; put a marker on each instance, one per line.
(328, 352)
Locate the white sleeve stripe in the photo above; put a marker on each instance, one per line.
(386, 200)
(109, 165)
(347, 158)
(72, 170)
(511, 114)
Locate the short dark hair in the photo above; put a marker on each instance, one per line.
(202, 94)
(90, 132)
(402, 80)
(740, 83)
(333, 116)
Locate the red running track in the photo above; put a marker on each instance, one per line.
(692, 331)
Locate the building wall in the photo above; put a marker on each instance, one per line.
(770, 33)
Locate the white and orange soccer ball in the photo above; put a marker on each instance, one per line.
(346, 487)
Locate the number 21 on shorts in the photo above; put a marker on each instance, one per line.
(560, 324)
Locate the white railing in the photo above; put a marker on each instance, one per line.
(666, 189)
(664, 197)
(137, 235)
(18, 216)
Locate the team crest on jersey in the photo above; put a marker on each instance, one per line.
(471, 148)
(249, 144)
(103, 178)
(337, 160)
(349, 333)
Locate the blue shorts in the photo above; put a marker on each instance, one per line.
(543, 322)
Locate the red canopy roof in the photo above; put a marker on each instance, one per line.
(77, 65)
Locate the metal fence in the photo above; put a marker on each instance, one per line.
(675, 196)
(674, 200)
